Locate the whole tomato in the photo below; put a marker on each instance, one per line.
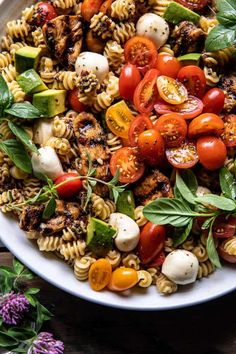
(73, 100)
(211, 151)
(68, 185)
(130, 77)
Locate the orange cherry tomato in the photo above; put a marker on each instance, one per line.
(213, 101)
(130, 77)
(100, 274)
(171, 91)
(93, 43)
(90, 8)
(211, 151)
(225, 255)
(193, 4)
(123, 279)
(229, 134)
(70, 187)
(173, 129)
(206, 124)
(119, 118)
(193, 79)
(184, 156)
(151, 146)
(73, 100)
(139, 124)
(106, 7)
(168, 65)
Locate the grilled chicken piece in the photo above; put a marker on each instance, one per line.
(155, 185)
(63, 36)
(53, 225)
(187, 38)
(31, 217)
(228, 85)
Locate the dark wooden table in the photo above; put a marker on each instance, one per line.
(87, 328)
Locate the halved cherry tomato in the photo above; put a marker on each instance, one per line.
(45, 13)
(206, 124)
(130, 77)
(119, 118)
(193, 79)
(212, 152)
(171, 91)
(184, 156)
(151, 242)
(229, 134)
(100, 274)
(70, 187)
(93, 43)
(168, 65)
(173, 129)
(158, 260)
(90, 8)
(123, 279)
(141, 52)
(145, 94)
(151, 146)
(106, 7)
(213, 101)
(188, 110)
(193, 4)
(224, 227)
(225, 255)
(139, 124)
(126, 159)
(73, 100)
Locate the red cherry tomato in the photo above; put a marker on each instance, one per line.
(70, 187)
(224, 227)
(229, 134)
(145, 94)
(168, 65)
(173, 129)
(193, 4)
(73, 100)
(151, 146)
(193, 79)
(139, 124)
(158, 260)
(188, 110)
(184, 156)
(126, 159)
(211, 151)
(206, 124)
(90, 8)
(225, 255)
(151, 242)
(130, 77)
(45, 13)
(213, 101)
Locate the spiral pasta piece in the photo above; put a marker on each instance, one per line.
(17, 29)
(123, 9)
(64, 4)
(5, 131)
(61, 128)
(114, 53)
(9, 73)
(167, 50)
(82, 266)
(114, 142)
(6, 42)
(205, 269)
(112, 88)
(189, 244)
(165, 286)
(87, 83)
(47, 71)
(102, 25)
(38, 38)
(18, 173)
(144, 279)
(229, 246)
(159, 7)
(68, 235)
(14, 47)
(206, 24)
(114, 258)
(154, 274)
(139, 217)
(73, 249)
(102, 208)
(169, 245)
(123, 32)
(65, 80)
(12, 197)
(5, 59)
(200, 252)
(16, 90)
(27, 13)
(49, 243)
(61, 145)
(131, 260)
(30, 187)
(102, 102)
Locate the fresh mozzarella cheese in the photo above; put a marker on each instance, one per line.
(47, 162)
(128, 232)
(153, 27)
(97, 63)
(42, 131)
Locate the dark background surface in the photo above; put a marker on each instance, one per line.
(87, 328)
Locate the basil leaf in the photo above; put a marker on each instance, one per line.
(184, 190)
(220, 38)
(24, 110)
(18, 266)
(49, 209)
(227, 19)
(7, 341)
(17, 154)
(5, 96)
(227, 183)
(217, 201)
(226, 6)
(181, 235)
(211, 249)
(23, 136)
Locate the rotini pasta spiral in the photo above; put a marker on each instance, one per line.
(17, 173)
(114, 258)
(114, 142)
(77, 8)
(189, 244)
(46, 70)
(165, 286)
(123, 9)
(154, 274)
(13, 196)
(205, 269)
(73, 249)
(102, 208)
(6, 42)
(112, 86)
(144, 279)
(16, 90)
(9, 73)
(123, 32)
(69, 235)
(5, 59)
(61, 128)
(131, 260)
(27, 13)
(14, 47)
(64, 4)
(61, 145)
(102, 102)
(33, 235)
(229, 246)
(200, 252)
(65, 80)
(17, 29)
(139, 217)
(87, 83)
(5, 131)
(38, 38)
(166, 49)
(82, 266)
(102, 25)
(30, 187)
(115, 56)
(49, 243)
(159, 7)
(169, 245)
(206, 24)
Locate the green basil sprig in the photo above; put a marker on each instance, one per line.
(24, 110)
(15, 150)
(23, 136)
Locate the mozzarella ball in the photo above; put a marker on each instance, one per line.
(47, 162)
(97, 63)
(42, 131)
(153, 27)
(201, 191)
(128, 232)
(181, 267)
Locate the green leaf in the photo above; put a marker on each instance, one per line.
(227, 183)
(42, 315)
(32, 291)
(23, 136)
(21, 333)
(190, 180)
(88, 196)
(17, 154)
(220, 38)
(49, 209)
(7, 270)
(24, 110)
(5, 96)
(217, 201)
(32, 300)
(7, 341)
(184, 189)
(115, 195)
(181, 236)
(115, 179)
(211, 249)
(226, 6)
(18, 266)
(227, 19)
(207, 223)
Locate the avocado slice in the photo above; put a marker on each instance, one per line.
(125, 204)
(175, 13)
(100, 236)
(50, 102)
(27, 58)
(31, 82)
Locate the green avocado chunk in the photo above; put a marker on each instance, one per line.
(125, 204)
(175, 13)
(31, 82)
(100, 236)
(27, 58)
(50, 102)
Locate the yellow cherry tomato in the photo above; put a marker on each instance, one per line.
(100, 274)
(171, 91)
(119, 118)
(123, 278)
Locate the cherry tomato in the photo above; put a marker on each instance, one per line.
(90, 8)
(225, 255)
(126, 159)
(229, 134)
(100, 274)
(145, 94)
(119, 118)
(45, 13)
(170, 90)
(193, 79)
(158, 260)
(151, 146)
(212, 152)
(130, 77)
(151, 242)
(184, 156)
(206, 124)
(224, 227)
(106, 7)
(213, 101)
(123, 279)
(173, 129)
(193, 4)
(93, 43)
(73, 100)
(168, 65)
(188, 110)
(70, 187)
(141, 52)
(139, 124)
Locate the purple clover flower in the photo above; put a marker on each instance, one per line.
(13, 308)
(46, 344)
